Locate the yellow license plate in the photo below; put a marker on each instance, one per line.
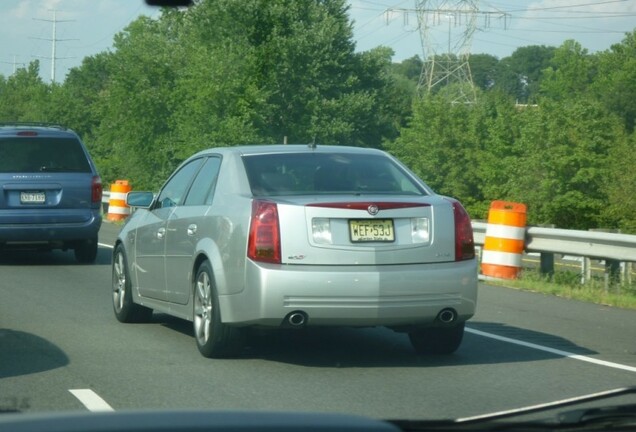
(371, 230)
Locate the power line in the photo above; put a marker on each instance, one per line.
(611, 19)
(566, 6)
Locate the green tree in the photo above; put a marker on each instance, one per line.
(620, 185)
(75, 101)
(615, 83)
(308, 65)
(225, 72)
(562, 173)
(402, 89)
(500, 149)
(133, 134)
(520, 74)
(24, 96)
(483, 68)
(410, 68)
(217, 103)
(441, 145)
(301, 66)
(570, 72)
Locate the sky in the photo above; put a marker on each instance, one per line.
(87, 27)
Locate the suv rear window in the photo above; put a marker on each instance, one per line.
(323, 173)
(42, 154)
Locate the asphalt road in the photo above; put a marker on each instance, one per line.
(62, 349)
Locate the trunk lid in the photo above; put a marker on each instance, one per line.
(370, 230)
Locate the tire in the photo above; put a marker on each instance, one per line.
(437, 340)
(86, 251)
(214, 339)
(125, 309)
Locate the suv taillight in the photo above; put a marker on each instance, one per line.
(264, 238)
(97, 189)
(464, 241)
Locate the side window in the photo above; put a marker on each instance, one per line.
(202, 189)
(173, 193)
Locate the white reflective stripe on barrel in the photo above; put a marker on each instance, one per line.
(118, 196)
(505, 231)
(501, 258)
(118, 210)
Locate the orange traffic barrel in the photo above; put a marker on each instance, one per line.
(117, 207)
(505, 240)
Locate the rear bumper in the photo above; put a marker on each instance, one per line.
(395, 295)
(54, 235)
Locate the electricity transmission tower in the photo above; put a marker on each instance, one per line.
(54, 40)
(448, 68)
(446, 30)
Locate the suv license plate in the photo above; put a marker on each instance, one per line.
(371, 230)
(32, 197)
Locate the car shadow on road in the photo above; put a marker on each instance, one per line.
(24, 353)
(381, 347)
(50, 258)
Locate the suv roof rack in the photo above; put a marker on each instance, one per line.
(33, 124)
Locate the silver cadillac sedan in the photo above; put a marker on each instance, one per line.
(290, 236)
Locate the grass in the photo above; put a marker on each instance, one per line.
(567, 284)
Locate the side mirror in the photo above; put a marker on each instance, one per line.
(139, 199)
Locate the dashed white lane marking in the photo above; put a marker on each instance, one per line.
(553, 351)
(91, 400)
(105, 245)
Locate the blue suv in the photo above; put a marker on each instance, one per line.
(50, 191)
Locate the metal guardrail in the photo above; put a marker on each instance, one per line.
(590, 244)
(617, 251)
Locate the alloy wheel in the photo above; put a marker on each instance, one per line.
(119, 282)
(202, 308)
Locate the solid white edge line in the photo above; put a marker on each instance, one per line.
(91, 400)
(105, 245)
(553, 351)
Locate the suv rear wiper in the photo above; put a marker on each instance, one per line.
(613, 415)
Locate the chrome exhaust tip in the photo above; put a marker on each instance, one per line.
(297, 319)
(447, 316)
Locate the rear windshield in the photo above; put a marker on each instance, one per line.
(322, 173)
(28, 155)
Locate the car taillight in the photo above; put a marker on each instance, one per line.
(464, 241)
(97, 189)
(264, 238)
